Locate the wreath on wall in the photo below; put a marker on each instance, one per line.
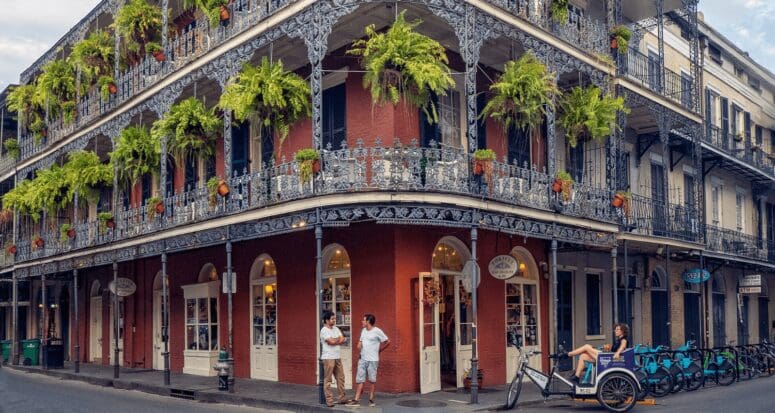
(431, 292)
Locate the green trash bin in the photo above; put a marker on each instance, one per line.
(30, 352)
(5, 345)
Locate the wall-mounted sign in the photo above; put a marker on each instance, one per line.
(749, 290)
(752, 280)
(126, 287)
(470, 271)
(503, 267)
(225, 283)
(696, 275)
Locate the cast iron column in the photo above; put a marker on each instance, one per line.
(77, 348)
(230, 288)
(115, 319)
(626, 275)
(165, 318)
(474, 346)
(669, 294)
(15, 320)
(44, 310)
(555, 300)
(319, 293)
(614, 272)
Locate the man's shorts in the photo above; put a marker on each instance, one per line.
(366, 368)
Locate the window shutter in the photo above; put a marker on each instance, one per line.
(725, 116)
(481, 124)
(747, 120)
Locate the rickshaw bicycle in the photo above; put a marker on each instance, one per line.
(609, 380)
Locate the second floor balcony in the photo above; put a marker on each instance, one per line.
(657, 218)
(752, 157)
(647, 72)
(739, 244)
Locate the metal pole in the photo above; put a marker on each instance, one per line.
(474, 346)
(626, 272)
(229, 296)
(15, 320)
(44, 308)
(319, 292)
(555, 300)
(669, 293)
(115, 320)
(706, 312)
(77, 348)
(165, 319)
(615, 271)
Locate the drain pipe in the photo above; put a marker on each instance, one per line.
(77, 347)
(115, 319)
(165, 317)
(474, 339)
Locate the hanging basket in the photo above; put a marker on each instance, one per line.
(159, 56)
(39, 242)
(618, 201)
(71, 233)
(223, 188)
(110, 223)
(11, 249)
(159, 207)
(557, 186)
(112, 88)
(224, 14)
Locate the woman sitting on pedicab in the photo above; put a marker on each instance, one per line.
(589, 353)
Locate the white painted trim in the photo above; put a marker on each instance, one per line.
(335, 78)
(656, 158)
(741, 190)
(714, 180)
(595, 337)
(714, 90)
(689, 170)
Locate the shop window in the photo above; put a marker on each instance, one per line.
(202, 323)
(265, 304)
(521, 315)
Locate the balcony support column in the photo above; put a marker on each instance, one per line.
(694, 52)
(163, 169)
(43, 314)
(116, 311)
(165, 316)
(77, 347)
(471, 37)
(551, 137)
(661, 44)
(227, 172)
(14, 359)
(164, 21)
(319, 296)
(664, 139)
(615, 278)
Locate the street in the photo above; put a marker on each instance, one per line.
(756, 396)
(22, 392)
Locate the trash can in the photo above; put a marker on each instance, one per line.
(54, 355)
(30, 351)
(5, 345)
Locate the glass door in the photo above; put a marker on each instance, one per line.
(336, 298)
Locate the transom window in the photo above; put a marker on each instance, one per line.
(445, 257)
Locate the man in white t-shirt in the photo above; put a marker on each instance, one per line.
(372, 342)
(332, 339)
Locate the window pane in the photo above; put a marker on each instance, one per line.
(271, 336)
(593, 304)
(213, 311)
(204, 338)
(191, 311)
(214, 338)
(191, 337)
(202, 311)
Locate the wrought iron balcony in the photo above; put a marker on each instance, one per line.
(740, 148)
(653, 217)
(182, 49)
(396, 168)
(736, 243)
(6, 164)
(583, 32)
(646, 71)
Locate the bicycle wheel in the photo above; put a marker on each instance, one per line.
(617, 393)
(643, 381)
(746, 368)
(725, 374)
(693, 377)
(660, 382)
(678, 378)
(514, 388)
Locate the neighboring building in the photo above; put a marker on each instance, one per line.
(395, 206)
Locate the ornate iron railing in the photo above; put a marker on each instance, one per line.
(646, 71)
(653, 217)
(741, 148)
(581, 31)
(737, 243)
(438, 169)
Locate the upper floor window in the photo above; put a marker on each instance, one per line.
(715, 54)
(686, 89)
(334, 117)
(754, 84)
(739, 72)
(715, 204)
(593, 305)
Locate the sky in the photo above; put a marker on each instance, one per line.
(29, 28)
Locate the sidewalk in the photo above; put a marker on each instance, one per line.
(285, 396)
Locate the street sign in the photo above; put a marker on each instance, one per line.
(696, 275)
(233, 283)
(126, 287)
(471, 270)
(503, 267)
(753, 280)
(749, 290)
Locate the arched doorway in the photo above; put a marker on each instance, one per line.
(522, 311)
(263, 312)
(448, 324)
(158, 342)
(201, 320)
(692, 310)
(660, 333)
(719, 313)
(337, 297)
(95, 322)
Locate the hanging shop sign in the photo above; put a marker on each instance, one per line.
(471, 272)
(696, 275)
(752, 280)
(749, 290)
(126, 287)
(503, 267)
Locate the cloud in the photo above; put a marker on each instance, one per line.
(746, 23)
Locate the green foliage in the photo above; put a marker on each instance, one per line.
(191, 129)
(624, 194)
(56, 88)
(403, 64)
(563, 176)
(150, 206)
(49, 191)
(559, 11)
(104, 216)
(63, 230)
(210, 8)
(104, 84)
(17, 199)
(484, 154)
(622, 35)
(138, 22)
(522, 94)
(94, 55)
(85, 174)
(136, 154)
(306, 154)
(586, 114)
(212, 185)
(25, 101)
(153, 47)
(567, 183)
(11, 146)
(278, 97)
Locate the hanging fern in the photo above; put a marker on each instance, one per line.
(191, 129)
(11, 146)
(403, 64)
(56, 89)
(559, 11)
(138, 22)
(85, 173)
(210, 8)
(136, 154)
(278, 97)
(522, 94)
(94, 56)
(49, 191)
(586, 114)
(17, 199)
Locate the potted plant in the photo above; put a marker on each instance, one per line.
(10, 248)
(738, 137)
(106, 221)
(6, 216)
(94, 57)
(586, 114)
(18, 200)
(107, 87)
(521, 94)
(401, 64)
(156, 51)
(138, 23)
(191, 129)
(136, 154)
(154, 206)
(38, 242)
(276, 96)
(620, 38)
(467, 378)
(309, 163)
(66, 232)
(215, 10)
(11, 146)
(559, 11)
(563, 183)
(483, 164)
(56, 89)
(622, 200)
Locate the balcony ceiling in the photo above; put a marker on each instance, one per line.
(636, 10)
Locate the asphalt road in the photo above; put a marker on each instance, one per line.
(755, 396)
(31, 393)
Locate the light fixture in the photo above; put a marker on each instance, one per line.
(522, 267)
(213, 274)
(269, 289)
(338, 252)
(267, 262)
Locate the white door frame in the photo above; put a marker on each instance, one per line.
(263, 358)
(463, 352)
(95, 329)
(430, 356)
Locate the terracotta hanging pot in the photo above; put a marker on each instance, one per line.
(315, 166)
(159, 207)
(225, 14)
(110, 223)
(11, 249)
(478, 168)
(39, 242)
(44, 132)
(614, 43)
(71, 233)
(557, 186)
(618, 201)
(112, 88)
(223, 188)
(159, 56)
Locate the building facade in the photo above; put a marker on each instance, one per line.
(396, 219)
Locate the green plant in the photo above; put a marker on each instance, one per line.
(50, 189)
(621, 35)
(210, 8)
(94, 56)
(212, 188)
(559, 11)
(484, 154)
(136, 154)
(566, 183)
(307, 158)
(105, 219)
(138, 22)
(26, 103)
(85, 174)
(403, 64)
(17, 199)
(278, 97)
(64, 232)
(605, 58)
(152, 206)
(107, 86)
(191, 129)
(586, 114)
(56, 89)
(11, 146)
(522, 94)
(37, 242)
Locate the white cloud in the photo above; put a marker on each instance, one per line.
(747, 23)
